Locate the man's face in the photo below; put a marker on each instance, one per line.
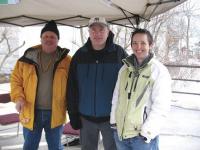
(98, 35)
(140, 46)
(49, 41)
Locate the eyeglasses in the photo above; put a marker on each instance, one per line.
(101, 31)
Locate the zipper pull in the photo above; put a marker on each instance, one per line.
(129, 95)
(136, 73)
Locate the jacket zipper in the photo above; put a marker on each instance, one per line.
(124, 122)
(129, 94)
(97, 62)
(145, 114)
(136, 74)
(135, 81)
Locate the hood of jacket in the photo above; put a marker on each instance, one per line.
(31, 54)
(132, 61)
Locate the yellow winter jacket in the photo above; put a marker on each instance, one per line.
(24, 86)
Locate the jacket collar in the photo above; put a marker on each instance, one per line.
(30, 55)
(132, 61)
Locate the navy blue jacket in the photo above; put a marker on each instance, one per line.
(91, 81)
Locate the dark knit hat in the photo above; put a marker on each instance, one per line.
(50, 26)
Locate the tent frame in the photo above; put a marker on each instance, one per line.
(133, 19)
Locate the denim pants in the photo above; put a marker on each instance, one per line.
(42, 121)
(90, 135)
(135, 143)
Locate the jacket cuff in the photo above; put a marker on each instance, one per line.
(113, 126)
(75, 121)
(146, 138)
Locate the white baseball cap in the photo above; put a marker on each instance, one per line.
(98, 20)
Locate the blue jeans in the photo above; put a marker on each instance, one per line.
(135, 143)
(53, 136)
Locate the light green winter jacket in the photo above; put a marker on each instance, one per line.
(141, 98)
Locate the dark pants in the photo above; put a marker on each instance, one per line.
(90, 133)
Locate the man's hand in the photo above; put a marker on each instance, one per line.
(19, 105)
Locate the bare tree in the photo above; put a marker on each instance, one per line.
(122, 36)
(10, 50)
(83, 38)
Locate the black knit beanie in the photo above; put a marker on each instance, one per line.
(50, 26)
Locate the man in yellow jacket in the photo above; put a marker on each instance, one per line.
(38, 87)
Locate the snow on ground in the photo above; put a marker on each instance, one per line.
(179, 143)
(8, 107)
(4, 88)
(186, 101)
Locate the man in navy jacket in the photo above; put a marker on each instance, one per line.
(92, 77)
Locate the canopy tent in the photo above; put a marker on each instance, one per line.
(76, 13)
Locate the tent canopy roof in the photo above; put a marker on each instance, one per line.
(76, 13)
